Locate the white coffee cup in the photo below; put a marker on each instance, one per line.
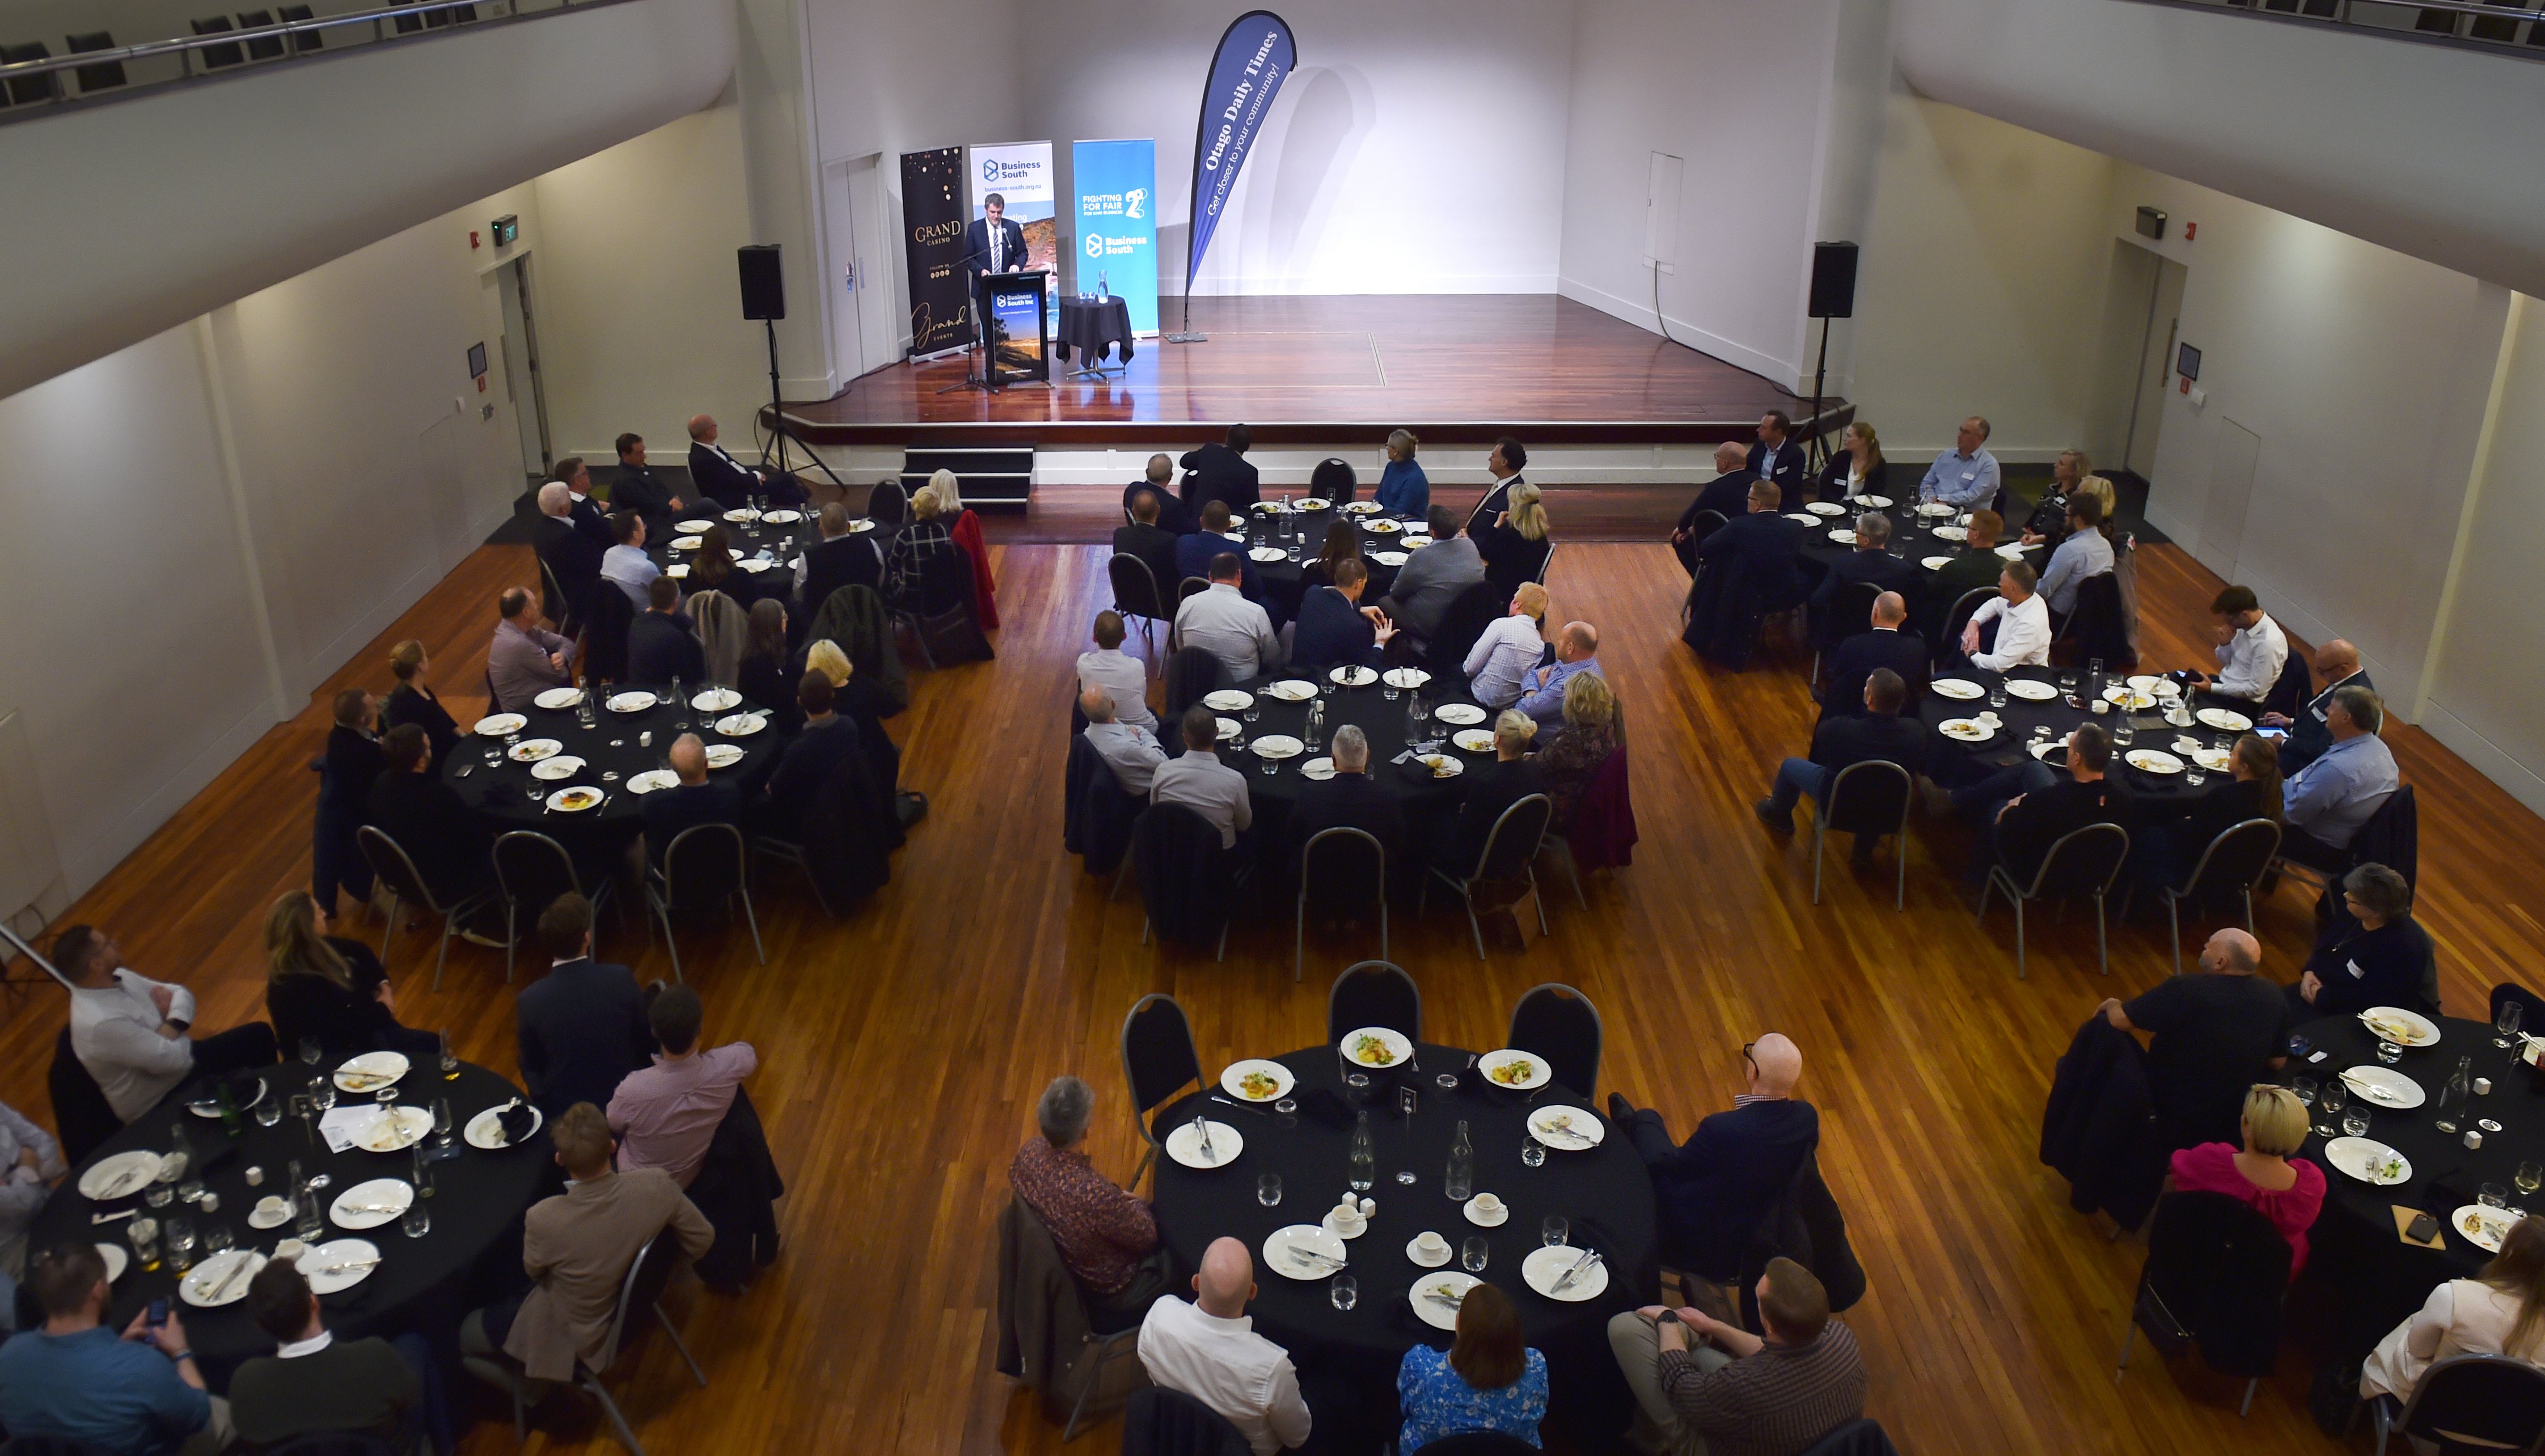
(1347, 1214)
(271, 1206)
(1488, 1205)
(291, 1249)
(1432, 1244)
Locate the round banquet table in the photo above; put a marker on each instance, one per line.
(1089, 325)
(1424, 799)
(1913, 536)
(1271, 528)
(1605, 1191)
(2154, 798)
(471, 1253)
(2373, 1279)
(500, 790)
(778, 543)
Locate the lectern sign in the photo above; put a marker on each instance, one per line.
(1255, 57)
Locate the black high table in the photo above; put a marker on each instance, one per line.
(500, 791)
(1089, 325)
(1605, 1192)
(471, 1253)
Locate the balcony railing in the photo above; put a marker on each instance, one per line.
(2514, 29)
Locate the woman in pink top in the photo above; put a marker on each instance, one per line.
(2288, 1191)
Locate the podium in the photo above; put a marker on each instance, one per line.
(1015, 326)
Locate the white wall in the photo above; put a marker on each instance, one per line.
(1418, 148)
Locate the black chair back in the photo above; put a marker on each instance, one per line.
(1948, 642)
(44, 1445)
(1135, 590)
(333, 1443)
(2392, 837)
(46, 87)
(1191, 586)
(2084, 861)
(1703, 524)
(2531, 1010)
(647, 1274)
(395, 870)
(944, 581)
(1190, 673)
(218, 56)
(106, 75)
(2216, 1269)
(2290, 691)
(1513, 842)
(1158, 1056)
(703, 867)
(1561, 1024)
(2236, 859)
(1476, 1444)
(1343, 871)
(605, 637)
(81, 1113)
(888, 503)
(267, 48)
(1871, 797)
(1157, 1421)
(1862, 1437)
(1375, 993)
(2098, 626)
(1334, 480)
(2487, 1398)
(1850, 612)
(1469, 613)
(533, 870)
(1186, 885)
(301, 44)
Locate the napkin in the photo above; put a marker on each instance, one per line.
(1326, 1106)
(344, 1126)
(516, 1120)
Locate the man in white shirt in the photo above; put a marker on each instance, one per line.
(1965, 475)
(1208, 1349)
(1227, 625)
(2252, 649)
(1131, 751)
(31, 1164)
(1119, 673)
(130, 1031)
(2086, 552)
(1498, 666)
(2023, 624)
(1200, 781)
(625, 565)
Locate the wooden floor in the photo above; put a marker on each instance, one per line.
(1331, 369)
(901, 1051)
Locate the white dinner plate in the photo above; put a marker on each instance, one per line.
(1405, 677)
(1354, 676)
(117, 1261)
(1458, 715)
(1184, 1144)
(1413, 1252)
(1316, 503)
(532, 750)
(560, 697)
(1277, 746)
(1384, 526)
(1474, 1209)
(741, 515)
(1328, 1256)
(1948, 532)
(716, 700)
(741, 725)
(688, 543)
(2483, 1226)
(2011, 551)
(1825, 508)
(635, 701)
(563, 766)
(1376, 1046)
(1362, 507)
(367, 1205)
(1474, 740)
(692, 527)
(1268, 555)
(2414, 1028)
(2129, 699)
(2032, 690)
(1233, 1079)
(1417, 543)
(372, 1070)
(1844, 537)
(576, 799)
(1879, 503)
(119, 1176)
(1440, 765)
(2386, 1087)
(2151, 760)
(1960, 690)
(1228, 700)
(677, 571)
(486, 1129)
(220, 1279)
(723, 755)
(862, 523)
(342, 1264)
(1515, 1069)
(1388, 558)
(1429, 1293)
(1802, 518)
(2143, 681)
(2048, 746)
(500, 724)
(1569, 1130)
(651, 779)
(1293, 690)
(2215, 759)
(209, 1106)
(1547, 1265)
(757, 564)
(2369, 1161)
(1270, 508)
(395, 1130)
(2223, 720)
(1966, 730)
(782, 517)
(1319, 769)
(1935, 507)
(1936, 563)
(1229, 727)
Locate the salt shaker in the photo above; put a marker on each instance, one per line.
(2473, 1139)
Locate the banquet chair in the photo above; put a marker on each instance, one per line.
(888, 504)
(702, 866)
(1135, 596)
(1373, 993)
(1601, 834)
(81, 1113)
(530, 871)
(2468, 1399)
(2531, 1010)
(217, 57)
(390, 864)
(1509, 853)
(52, 1445)
(1344, 870)
(1545, 563)
(1047, 1339)
(1866, 798)
(2215, 1273)
(106, 75)
(1190, 673)
(267, 48)
(1469, 613)
(1700, 526)
(1862, 1437)
(640, 1297)
(1188, 882)
(1948, 642)
(2237, 859)
(1158, 1062)
(31, 89)
(1473, 1443)
(301, 44)
(1850, 612)
(605, 637)
(1334, 480)
(1559, 1023)
(1159, 1421)
(2099, 625)
(2084, 861)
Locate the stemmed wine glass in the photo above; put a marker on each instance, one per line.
(2328, 1104)
(2504, 1022)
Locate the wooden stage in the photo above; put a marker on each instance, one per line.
(901, 1049)
(1456, 370)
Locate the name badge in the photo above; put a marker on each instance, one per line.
(2357, 974)
(1970, 475)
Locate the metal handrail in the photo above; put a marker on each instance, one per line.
(185, 45)
(2342, 9)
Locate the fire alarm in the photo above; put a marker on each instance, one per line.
(2185, 389)
(2190, 230)
(473, 240)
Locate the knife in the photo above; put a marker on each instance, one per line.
(1579, 1268)
(227, 1280)
(1305, 1256)
(1240, 1107)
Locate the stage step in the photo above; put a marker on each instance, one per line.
(992, 475)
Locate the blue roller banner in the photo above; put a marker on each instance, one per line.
(1116, 183)
(1255, 56)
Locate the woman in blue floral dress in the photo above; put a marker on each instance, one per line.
(1487, 1381)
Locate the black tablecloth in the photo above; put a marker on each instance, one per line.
(784, 540)
(1605, 1192)
(1385, 724)
(2376, 1279)
(1090, 325)
(425, 1285)
(1913, 536)
(1306, 529)
(2154, 798)
(500, 790)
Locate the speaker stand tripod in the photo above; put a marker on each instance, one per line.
(1185, 335)
(1819, 454)
(975, 367)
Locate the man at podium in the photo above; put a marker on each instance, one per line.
(992, 244)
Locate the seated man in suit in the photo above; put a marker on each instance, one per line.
(1432, 578)
(1727, 495)
(1129, 750)
(2336, 664)
(2336, 793)
(665, 1115)
(1777, 456)
(415, 806)
(1975, 569)
(641, 490)
(1871, 561)
(524, 659)
(662, 642)
(693, 801)
(582, 1026)
(576, 1248)
(1352, 799)
(1221, 472)
(2022, 624)
(625, 566)
(1174, 518)
(1716, 1187)
(569, 555)
(586, 513)
(2045, 805)
(1504, 464)
(1333, 628)
(1491, 789)
(1200, 781)
(1766, 545)
(840, 558)
(1885, 646)
(728, 481)
(808, 762)
(131, 1034)
(1152, 544)
(314, 1383)
(1219, 535)
(1223, 623)
(1878, 735)
(2252, 649)
(1116, 672)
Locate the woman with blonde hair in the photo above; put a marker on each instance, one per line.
(963, 528)
(927, 536)
(1568, 762)
(1856, 468)
(328, 989)
(1403, 489)
(2499, 1312)
(2072, 478)
(2287, 1191)
(1489, 790)
(826, 658)
(413, 700)
(1516, 547)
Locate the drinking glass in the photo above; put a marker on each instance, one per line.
(422, 1176)
(1267, 1190)
(2530, 1177)
(1272, 766)
(2354, 1121)
(270, 1111)
(181, 1244)
(190, 1190)
(144, 1234)
(2493, 1195)
(1285, 1114)
(2194, 776)
(450, 1059)
(1253, 705)
(2304, 1088)
(2328, 1104)
(387, 1095)
(1472, 1255)
(1997, 694)
(442, 1121)
(2123, 734)
(2506, 1024)
(1555, 1230)
(1387, 690)
(322, 1095)
(418, 1221)
(159, 1193)
(1447, 1081)
(1357, 1084)
(1344, 1290)
(1532, 1153)
(218, 1239)
(2389, 1053)
(310, 1051)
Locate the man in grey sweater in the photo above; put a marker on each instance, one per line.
(1432, 577)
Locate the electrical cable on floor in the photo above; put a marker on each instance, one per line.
(1660, 317)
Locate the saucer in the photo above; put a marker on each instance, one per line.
(1414, 1251)
(1477, 1216)
(1338, 1231)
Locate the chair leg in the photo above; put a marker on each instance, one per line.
(2102, 952)
(1299, 944)
(520, 1416)
(1382, 922)
(2173, 930)
(1820, 836)
(2129, 1336)
(1119, 871)
(388, 927)
(443, 952)
(1900, 859)
(2248, 918)
(1475, 927)
(1573, 871)
(679, 1344)
(592, 1386)
(1221, 954)
(2019, 938)
(672, 939)
(509, 911)
(1538, 900)
(1148, 1158)
(753, 921)
(2246, 1409)
(1144, 929)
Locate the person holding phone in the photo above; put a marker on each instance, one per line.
(140, 1394)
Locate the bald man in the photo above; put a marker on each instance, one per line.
(1714, 1188)
(1132, 752)
(1577, 650)
(2210, 1037)
(1727, 495)
(731, 483)
(571, 558)
(2337, 665)
(1887, 644)
(696, 799)
(1209, 1350)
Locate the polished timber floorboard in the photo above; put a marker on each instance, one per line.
(901, 1049)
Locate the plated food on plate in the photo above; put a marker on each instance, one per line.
(1515, 1069)
(1376, 1046)
(576, 799)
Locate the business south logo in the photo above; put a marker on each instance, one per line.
(1095, 245)
(989, 169)
(1133, 201)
